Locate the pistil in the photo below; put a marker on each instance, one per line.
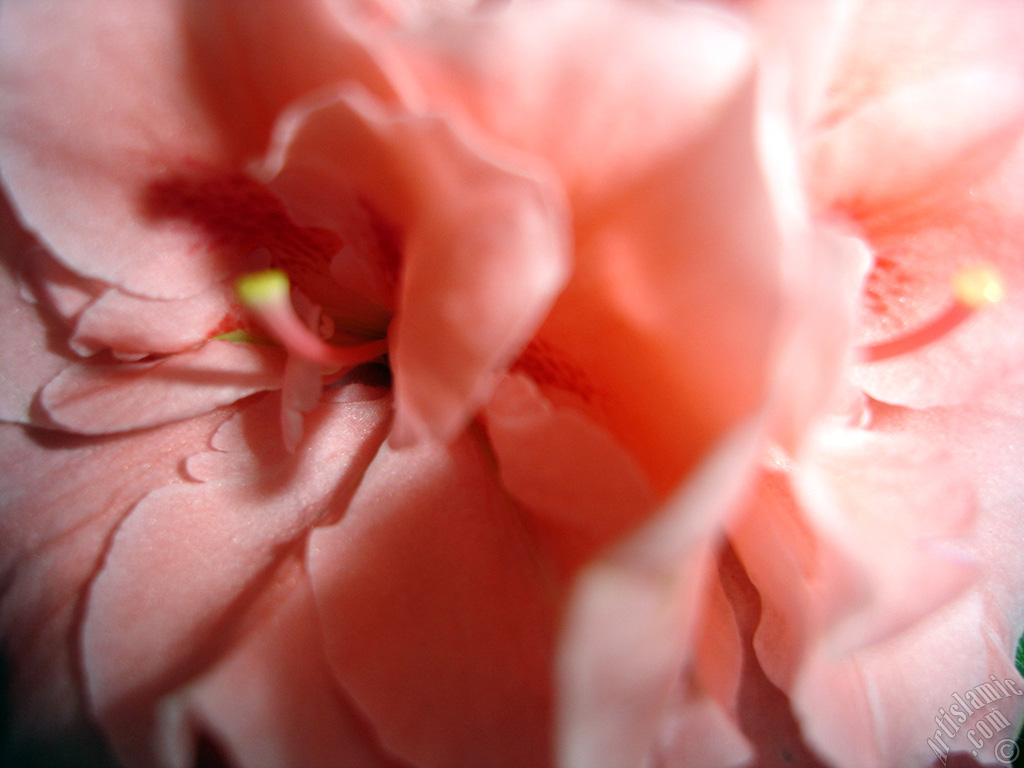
(972, 289)
(266, 294)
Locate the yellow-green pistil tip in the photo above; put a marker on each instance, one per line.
(978, 286)
(262, 289)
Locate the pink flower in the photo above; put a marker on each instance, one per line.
(872, 569)
(498, 383)
(554, 219)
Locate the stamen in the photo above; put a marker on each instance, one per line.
(267, 295)
(972, 290)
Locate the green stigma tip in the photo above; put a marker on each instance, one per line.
(262, 288)
(243, 337)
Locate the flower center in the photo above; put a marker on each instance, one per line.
(267, 295)
(972, 289)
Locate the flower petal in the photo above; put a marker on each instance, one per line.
(633, 616)
(677, 294)
(877, 704)
(567, 471)
(484, 246)
(27, 357)
(98, 105)
(52, 539)
(250, 65)
(874, 539)
(131, 325)
(271, 701)
(97, 399)
(438, 616)
(900, 511)
(527, 75)
(915, 137)
(911, 283)
(193, 558)
(885, 705)
(932, 151)
(700, 728)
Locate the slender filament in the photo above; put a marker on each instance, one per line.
(972, 290)
(266, 294)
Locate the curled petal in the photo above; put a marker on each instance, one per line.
(484, 246)
(132, 325)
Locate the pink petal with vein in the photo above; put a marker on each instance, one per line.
(132, 325)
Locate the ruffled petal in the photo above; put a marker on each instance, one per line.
(674, 307)
(877, 541)
(901, 512)
(102, 398)
(192, 558)
(438, 614)
(271, 701)
(581, 487)
(518, 71)
(52, 539)
(99, 106)
(888, 704)
(884, 703)
(129, 325)
(631, 629)
(484, 246)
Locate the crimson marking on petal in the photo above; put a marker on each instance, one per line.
(972, 290)
(548, 367)
(234, 215)
(267, 295)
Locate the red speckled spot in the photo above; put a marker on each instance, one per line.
(542, 363)
(236, 216)
(887, 282)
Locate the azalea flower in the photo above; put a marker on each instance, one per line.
(871, 570)
(571, 383)
(496, 298)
